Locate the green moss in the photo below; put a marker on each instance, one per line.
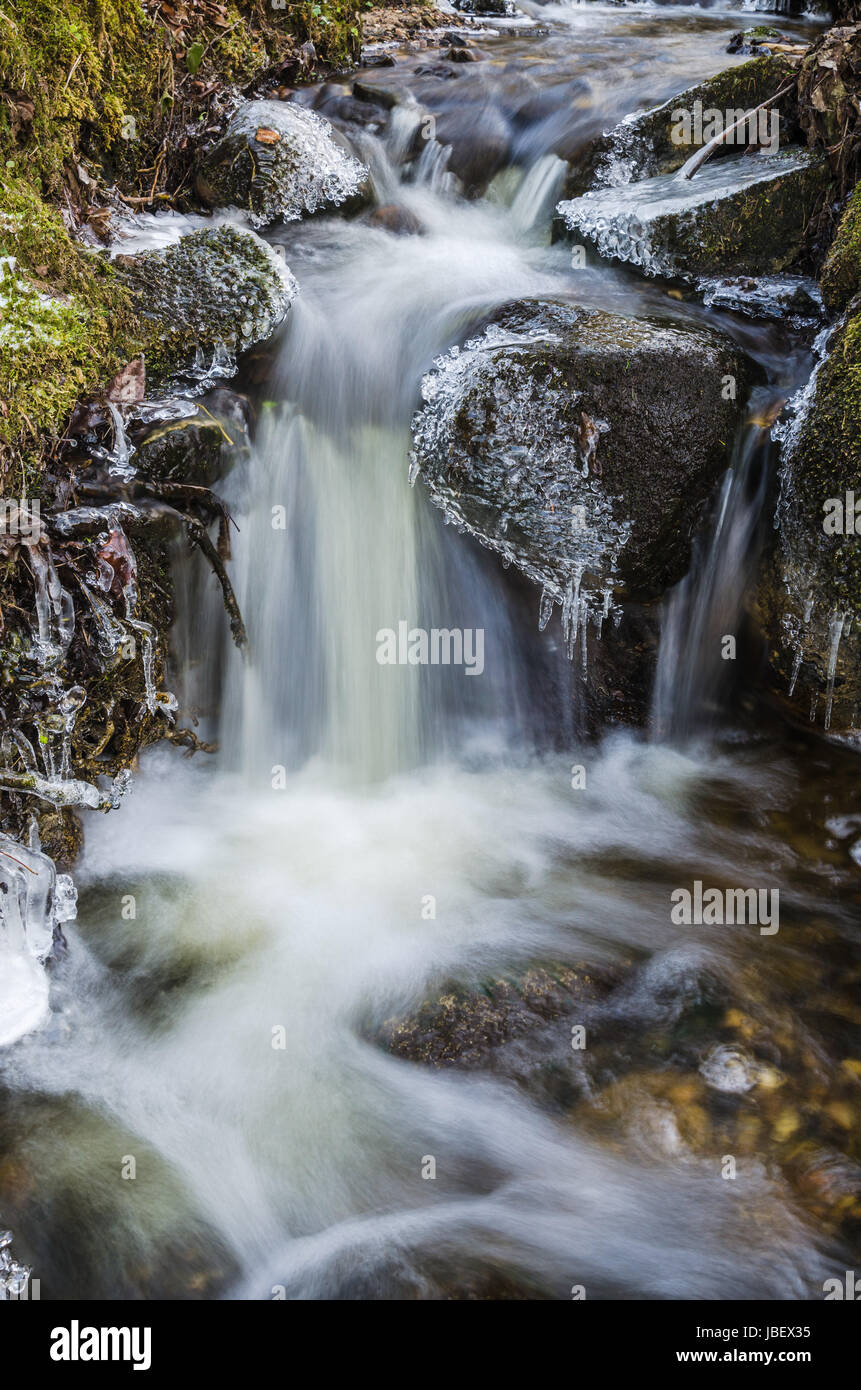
(840, 280)
(829, 458)
(107, 82)
(67, 324)
(93, 71)
(814, 576)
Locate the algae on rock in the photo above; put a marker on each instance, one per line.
(809, 599)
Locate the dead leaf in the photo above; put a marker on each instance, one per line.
(129, 385)
(265, 136)
(116, 555)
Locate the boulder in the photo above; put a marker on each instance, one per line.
(277, 159)
(581, 446)
(207, 298)
(809, 599)
(650, 142)
(479, 139)
(742, 216)
(840, 277)
(502, 8)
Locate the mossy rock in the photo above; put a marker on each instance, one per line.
(199, 451)
(91, 90)
(809, 598)
(68, 321)
(840, 278)
(277, 159)
(582, 446)
(742, 216)
(642, 145)
(207, 298)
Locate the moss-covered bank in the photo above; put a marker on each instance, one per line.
(98, 93)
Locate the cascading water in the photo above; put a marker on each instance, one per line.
(700, 634)
(371, 831)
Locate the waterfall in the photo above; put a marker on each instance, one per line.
(701, 626)
(337, 545)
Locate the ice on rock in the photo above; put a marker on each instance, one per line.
(795, 299)
(13, 1276)
(799, 570)
(655, 223)
(529, 469)
(33, 900)
(278, 159)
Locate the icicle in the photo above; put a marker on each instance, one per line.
(147, 660)
(67, 792)
(33, 900)
(584, 653)
(119, 464)
(836, 632)
(796, 667)
(55, 611)
(545, 610)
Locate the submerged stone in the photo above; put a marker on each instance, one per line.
(746, 215)
(277, 159)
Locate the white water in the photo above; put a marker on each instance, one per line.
(257, 908)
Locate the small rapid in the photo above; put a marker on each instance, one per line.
(209, 1111)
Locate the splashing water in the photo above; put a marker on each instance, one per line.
(371, 832)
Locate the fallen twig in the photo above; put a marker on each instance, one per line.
(698, 159)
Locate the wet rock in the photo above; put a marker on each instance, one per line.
(581, 446)
(208, 297)
(352, 111)
(277, 159)
(198, 451)
(377, 93)
(840, 278)
(440, 70)
(462, 1025)
(809, 598)
(754, 40)
(648, 143)
(747, 215)
(394, 219)
(488, 7)
(466, 55)
(480, 141)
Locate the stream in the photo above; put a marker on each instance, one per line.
(209, 1112)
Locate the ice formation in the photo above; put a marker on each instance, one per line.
(631, 221)
(34, 899)
(532, 474)
(300, 171)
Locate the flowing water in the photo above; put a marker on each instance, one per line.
(209, 1111)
